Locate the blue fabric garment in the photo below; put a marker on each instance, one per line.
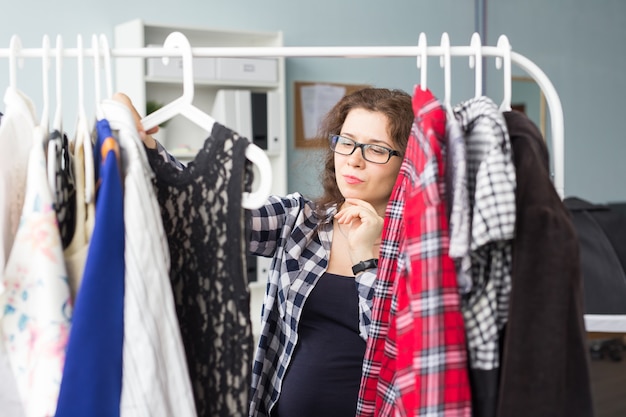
(92, 376)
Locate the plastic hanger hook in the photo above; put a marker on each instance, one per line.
(106, 51)
(445, 64)
(14, 60)
(45, 67)
(95, 46)
(175, 40)
(82, 129)
(505, 63)
(184, 106)
(476, 62)
(422, 60)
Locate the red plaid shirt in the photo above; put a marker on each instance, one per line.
(416, 363)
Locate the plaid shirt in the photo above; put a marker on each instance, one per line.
(381, 304)
(289, 230)
(416, 361)
(491, 188)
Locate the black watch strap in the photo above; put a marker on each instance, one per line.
(365, 265)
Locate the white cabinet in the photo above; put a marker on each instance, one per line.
(234, 82)
(256, 82)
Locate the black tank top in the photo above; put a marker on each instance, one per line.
(324, 375)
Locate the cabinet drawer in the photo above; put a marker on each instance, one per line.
(247, 69)
(203, 67)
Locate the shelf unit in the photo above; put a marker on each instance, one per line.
(136, 77)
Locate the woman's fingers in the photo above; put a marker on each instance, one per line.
(355, 208)
(146, 137)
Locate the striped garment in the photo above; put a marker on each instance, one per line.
(156, 380)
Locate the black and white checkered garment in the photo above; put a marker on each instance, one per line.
(458, 209)
(491, 189)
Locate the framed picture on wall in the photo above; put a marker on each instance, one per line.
(312, 100)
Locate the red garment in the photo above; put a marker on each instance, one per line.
(416, 362)
(378, 333)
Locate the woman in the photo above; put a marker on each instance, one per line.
(317, 305)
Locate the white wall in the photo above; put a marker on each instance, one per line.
(579, 45)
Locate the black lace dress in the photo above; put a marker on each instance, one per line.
(204, 222)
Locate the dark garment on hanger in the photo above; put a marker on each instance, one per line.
(65, 193)
(545, 364)
(203, 219)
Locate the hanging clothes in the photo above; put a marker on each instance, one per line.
(429, 321)
(36, 303)
(61, 175)
(545, 363)
(92, 377)
(84, 216)
(155, 380)
(16, 140)
(418, 364)
(458, 204)
(16, 137)
(203, 219)
(491, 190)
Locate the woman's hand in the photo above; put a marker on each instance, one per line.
(362, 227)
(146, 136)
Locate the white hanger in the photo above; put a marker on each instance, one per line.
(15, 46)
(57, 124)
(444, 61)
(82, 129)
(183, 106)
(422, 60)
(81, 75)
(505, 62)
(106, 51)
(45, 67)
(43, 128)
(476, 62)
(95, 46)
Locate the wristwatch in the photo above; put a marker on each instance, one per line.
(365, 265)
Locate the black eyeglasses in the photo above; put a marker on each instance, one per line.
(372, 153)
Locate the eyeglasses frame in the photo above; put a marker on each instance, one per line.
(391, 152)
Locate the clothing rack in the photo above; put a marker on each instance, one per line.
(503, 53)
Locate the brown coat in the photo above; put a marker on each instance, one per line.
(545, 363)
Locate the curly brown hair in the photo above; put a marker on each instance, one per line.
(395, 104)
